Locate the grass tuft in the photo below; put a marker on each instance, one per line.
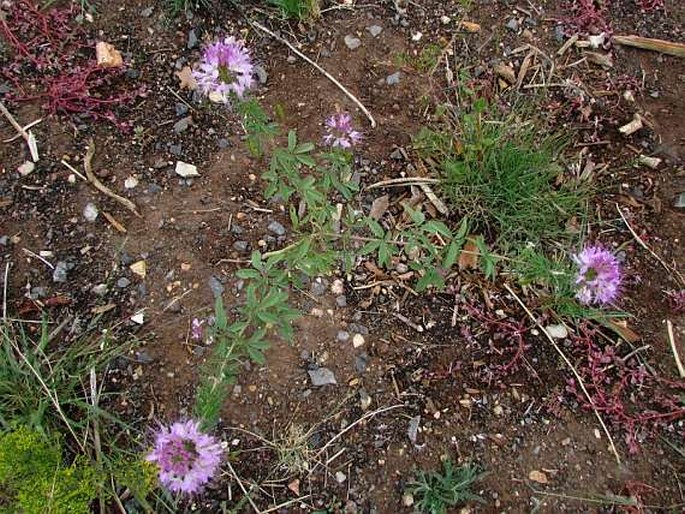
(505, 180)
(435, 492)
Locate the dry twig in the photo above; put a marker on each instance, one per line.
(28, 136)
(668, 268)
(87, 165)
(570, 365)
(240, 483)
(318, 67)
(674, 349)
(656, 45)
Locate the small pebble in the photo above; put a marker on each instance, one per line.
(374, 30)
(181, 109)
(182, 124)
(90, 212)
(123, 283)
(277, 228)
(352, 42)
(513, 24)
(321, 377)
(358, 340)
(393, 79)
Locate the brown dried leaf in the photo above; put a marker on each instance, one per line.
(186, 78)
(468, 26)
(379, 206)
(506, 72)
(468, 259)
(622, 329)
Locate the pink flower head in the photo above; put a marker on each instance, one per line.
(196, 329)
(186, 457)
(599, 276)
(226, 68)
(340, 132)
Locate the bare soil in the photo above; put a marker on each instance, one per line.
(510, 423)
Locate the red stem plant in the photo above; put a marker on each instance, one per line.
(52, 61)
(622, 390)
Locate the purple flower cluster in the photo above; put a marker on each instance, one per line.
(599, 276)
(339, 131)
(226, 68)
(187, 458)
(196, 329)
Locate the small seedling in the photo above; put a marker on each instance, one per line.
(434, 492)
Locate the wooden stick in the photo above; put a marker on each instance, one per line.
(324, 72)
(674, 349)
(570, 365)
(655, 45)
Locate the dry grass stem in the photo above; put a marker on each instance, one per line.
(87, 165)
(570, 365)
(324, 72)
(674, 349)
(671, 271)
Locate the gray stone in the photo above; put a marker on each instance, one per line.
(4, 240)
(413, 428)
(393, 79)
(361, 362)
(342, 336)
(192, 39)
(123, 283)
(352, 42)
(176, 149)
(241, 246)
(216, 286)
(559, 34)
(154, 188)
(59, 274)
(277, 228)
(181, 109)
(318, 287)
(182, 124)
(513, 24)
(341, 301)
(321, 377)
(262, 75)
(38, 292)
(374, 30)
(680, 201)
(143, 357)
(397, 155)
(223, 143)
(100, 289)
(357, 328)
(146, 13)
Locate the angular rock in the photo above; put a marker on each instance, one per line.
(374, 30)
(321, 377)
(352, 42)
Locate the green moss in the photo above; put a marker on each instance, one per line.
(33, 479)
